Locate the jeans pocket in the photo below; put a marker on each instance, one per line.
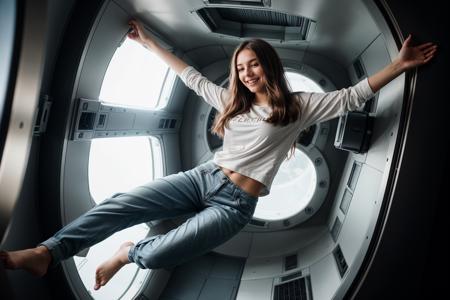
(246, 206)
(205, 171)
(217, 185)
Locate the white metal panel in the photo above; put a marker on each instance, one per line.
(239, 245)
(340, 192)
(171, 155)
(325, 278)
(258, 268)
(205, 56)
(106, 38)
(282, 242)
(357, 221)
(316, 250)
(76, 166)
(374, 58)
(255, 289)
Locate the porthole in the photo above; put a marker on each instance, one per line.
(298, 191)
(301, 83)
(292, 189)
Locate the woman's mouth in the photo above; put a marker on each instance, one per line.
(252, 82)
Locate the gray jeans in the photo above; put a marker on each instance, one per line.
(221, 210)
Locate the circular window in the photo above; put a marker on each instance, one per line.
(301, 83)
(292, 189)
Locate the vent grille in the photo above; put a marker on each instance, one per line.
(260, 17)
(101, 121)
(241, 2)
(354, 175)
(340, 260)
(336, 229)
(295, 289)
(167, 123)
(248, 23)
(350, 187)
(290, 262)
(345, 202)
(86, 121)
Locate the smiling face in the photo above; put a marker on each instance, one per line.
(250, 71)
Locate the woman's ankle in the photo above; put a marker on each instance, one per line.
(44, 252)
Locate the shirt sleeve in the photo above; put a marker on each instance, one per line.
(321, 107)
(213, 94)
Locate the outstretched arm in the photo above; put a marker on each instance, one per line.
(137, 34)
(409, 57)
(320, 107)
(213, 94)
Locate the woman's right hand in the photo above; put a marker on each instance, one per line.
(137, 34)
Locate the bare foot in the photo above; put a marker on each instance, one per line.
(34, 260)
(110, 267)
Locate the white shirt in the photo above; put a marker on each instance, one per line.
(255, 148)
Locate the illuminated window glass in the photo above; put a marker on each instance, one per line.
(129, 278)
(137, 77)
(300, 83)
(292, 189)
(118, 165)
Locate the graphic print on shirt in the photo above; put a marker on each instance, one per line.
(247, 119)
(250, 132)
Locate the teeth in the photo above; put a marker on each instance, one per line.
(252, 81)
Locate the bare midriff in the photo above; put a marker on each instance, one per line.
(247, 184)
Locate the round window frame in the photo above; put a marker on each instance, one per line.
(314, 204)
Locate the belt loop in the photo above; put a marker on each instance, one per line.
(216, 168)
(236, 192)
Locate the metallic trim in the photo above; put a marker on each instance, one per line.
(23, 110)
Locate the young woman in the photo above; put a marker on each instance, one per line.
(259, 121)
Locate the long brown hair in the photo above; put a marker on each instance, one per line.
(284, 107)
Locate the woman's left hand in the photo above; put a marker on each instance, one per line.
(413, 56)
(409, 57)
